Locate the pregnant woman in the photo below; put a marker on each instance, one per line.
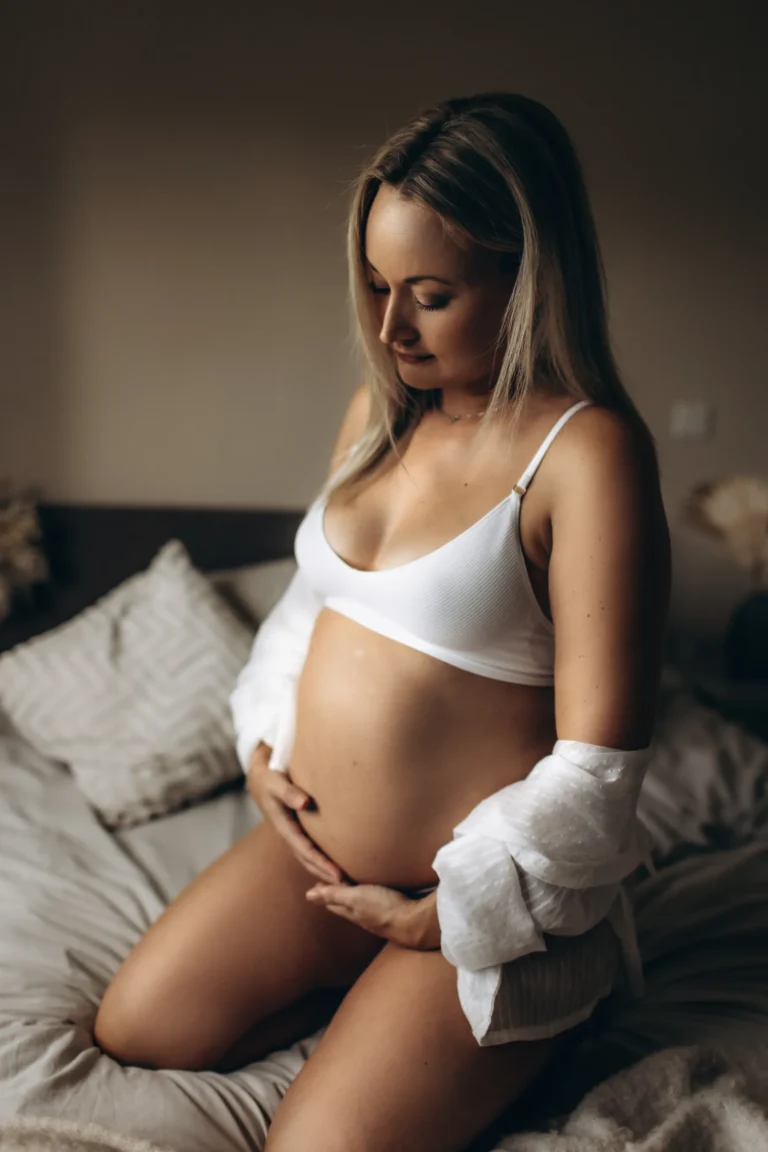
(445, 719)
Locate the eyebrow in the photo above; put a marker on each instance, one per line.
(415, 279)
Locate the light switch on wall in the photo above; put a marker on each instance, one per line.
(692, 420)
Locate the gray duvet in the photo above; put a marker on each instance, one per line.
(75, 898)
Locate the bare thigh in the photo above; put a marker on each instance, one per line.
(239, 944)
(398, 1069)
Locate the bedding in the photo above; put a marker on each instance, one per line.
(707, 783)
(690, 1099)
(45, 1135)
(75, 897)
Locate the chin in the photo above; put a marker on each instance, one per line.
(416, 377)
(418, 385)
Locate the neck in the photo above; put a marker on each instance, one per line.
(464, 405)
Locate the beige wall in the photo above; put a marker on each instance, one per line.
(172, 193)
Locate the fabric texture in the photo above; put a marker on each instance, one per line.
(45, 1135)
(468, 603)
(547, 854)
(707, 782)
(263, 701)
(544, 993)
(132, 693)
(685, 1099)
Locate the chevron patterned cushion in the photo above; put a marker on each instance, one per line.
(133, 693)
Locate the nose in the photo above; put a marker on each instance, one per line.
(396, 326)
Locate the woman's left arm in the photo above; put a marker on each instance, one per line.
(609, 582)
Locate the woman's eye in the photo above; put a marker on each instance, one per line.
(431, 305)
(435, 304)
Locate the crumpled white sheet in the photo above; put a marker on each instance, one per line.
(74, 899)
(547, 854)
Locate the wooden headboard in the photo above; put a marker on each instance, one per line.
(92, 548)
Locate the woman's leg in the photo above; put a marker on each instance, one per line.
(283, 1028)
(398, 1069)
(240, 946)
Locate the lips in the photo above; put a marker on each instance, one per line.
(413, 359)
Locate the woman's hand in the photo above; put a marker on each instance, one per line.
(279, 799)
(384, 912)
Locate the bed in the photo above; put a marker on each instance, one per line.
(681, 1069)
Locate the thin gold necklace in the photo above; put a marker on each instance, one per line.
(462, 415)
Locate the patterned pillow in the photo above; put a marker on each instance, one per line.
(133, 693)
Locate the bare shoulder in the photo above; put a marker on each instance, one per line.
(605, 459)
(352, 425)
(606, 492)
(600, 439)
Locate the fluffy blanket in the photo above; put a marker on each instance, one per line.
(680, 1100)
(38, 1135)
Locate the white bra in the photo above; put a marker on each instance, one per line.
(469, 602)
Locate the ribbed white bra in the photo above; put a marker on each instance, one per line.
(469, 602)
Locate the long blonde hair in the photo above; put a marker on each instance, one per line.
(501, 172)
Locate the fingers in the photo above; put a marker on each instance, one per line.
(343, 910)
(383, 911)
(302, 847)
(281, 799)
(290, 795)
(334, 898)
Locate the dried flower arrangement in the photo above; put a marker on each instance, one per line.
(735, 511)
(22, 563)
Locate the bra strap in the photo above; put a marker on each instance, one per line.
(522, 485)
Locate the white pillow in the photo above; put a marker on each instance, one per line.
(133, 693)
(255, 588)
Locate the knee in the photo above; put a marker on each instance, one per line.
(136, 1030)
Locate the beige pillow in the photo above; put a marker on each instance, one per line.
(133, 693)
(254, 589)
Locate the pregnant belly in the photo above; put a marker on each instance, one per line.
(395, 748)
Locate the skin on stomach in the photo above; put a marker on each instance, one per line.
(396, 748)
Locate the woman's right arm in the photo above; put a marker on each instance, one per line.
(264, 695)
(263, 702)
(263, 698)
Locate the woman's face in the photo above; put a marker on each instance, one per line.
(439, 306)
